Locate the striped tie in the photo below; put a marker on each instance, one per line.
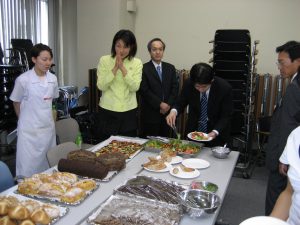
(159, 72)
(202, 124)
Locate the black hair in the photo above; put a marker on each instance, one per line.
(38, 48)
(129, 40)
(292, 48)
(155, 39)
(201, 73)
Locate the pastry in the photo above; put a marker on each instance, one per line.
(186, 169)
(29, 186)
(113, 161)
(31, 205)
(52, 210)
(86, 169)
(11, 200)
(4, 206)
(52, 190)
(19, 213)
(65, 176)
(82, 155)
(86, 184)
(73, 195)
(27, 222)
(6, 221)
(155, 164)
(40, 216)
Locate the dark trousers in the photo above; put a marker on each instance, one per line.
(116, 123)
(156, 129)
(276, 184)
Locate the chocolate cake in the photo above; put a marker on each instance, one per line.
(82, 155)
(93, 169)
(113, 161)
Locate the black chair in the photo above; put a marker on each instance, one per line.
(24, 46)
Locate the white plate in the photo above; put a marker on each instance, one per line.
(195, 163)
(190, 137)
(175, 159)
(185, 175)
(263, 220)
(161, 171)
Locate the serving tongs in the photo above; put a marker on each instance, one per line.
(159, 138)
(175, 131)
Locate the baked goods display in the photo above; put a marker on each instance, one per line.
(59, 186)
(27, 212)
(93, 169)
(125, 147)
(114, 161)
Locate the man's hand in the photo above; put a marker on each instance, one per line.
(164, 108)
(283, 168)
(171, 118)
(212, 134)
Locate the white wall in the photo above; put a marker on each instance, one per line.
(185, 25)
(97, 23)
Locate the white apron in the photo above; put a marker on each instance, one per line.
(36, 130)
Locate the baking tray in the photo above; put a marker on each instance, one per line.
(170, 198)
(136, 210)
(119, 138)
(184, 155)
(57, 200)
(63, 210)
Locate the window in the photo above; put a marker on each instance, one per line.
(23, 19)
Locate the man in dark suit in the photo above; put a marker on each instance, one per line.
(219, 108)
(159, 90)
(286, 117)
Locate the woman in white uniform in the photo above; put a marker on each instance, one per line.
(288, 204)
(32, 98)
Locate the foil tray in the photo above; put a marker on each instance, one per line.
(63, 210)
(137, 210)
(57, 200)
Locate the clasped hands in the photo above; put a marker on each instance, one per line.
(119, 65)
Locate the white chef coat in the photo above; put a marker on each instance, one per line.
(291, 157)
(36, 129)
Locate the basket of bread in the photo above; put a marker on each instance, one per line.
(62, 187)
(23, 211)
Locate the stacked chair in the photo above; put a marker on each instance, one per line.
(234, 60)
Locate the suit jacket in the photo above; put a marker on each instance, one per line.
(285, 119)
(219, 108)
(153, 91)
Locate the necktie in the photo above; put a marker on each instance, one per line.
(202, 125)
(159, 72)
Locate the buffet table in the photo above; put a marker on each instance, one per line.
(219, 172)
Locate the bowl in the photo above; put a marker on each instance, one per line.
(220, 152)
(204, 185)
(197, 202)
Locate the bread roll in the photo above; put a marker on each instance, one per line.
(51, 210)
(19, 213)
(4, 206)
(31, 205)
(6, 221)
(27, 222)
(82, 168)
(40, 216)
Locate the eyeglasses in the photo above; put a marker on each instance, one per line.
(281, 64)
